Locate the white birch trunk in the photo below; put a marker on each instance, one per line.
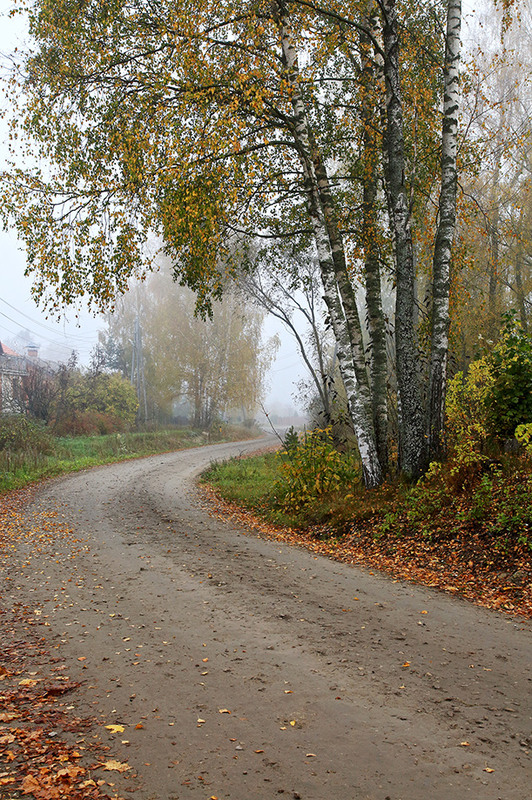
(372, 273)
(445, 232)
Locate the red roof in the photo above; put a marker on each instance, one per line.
(6, 351)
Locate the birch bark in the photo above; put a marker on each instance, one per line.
(412, 458)
(445, 233)
(372, 272)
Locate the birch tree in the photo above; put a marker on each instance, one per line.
(441, 272)
(201, 122)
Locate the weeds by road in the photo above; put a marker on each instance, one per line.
(28, 453)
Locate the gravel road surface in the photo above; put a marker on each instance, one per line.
(244, 668)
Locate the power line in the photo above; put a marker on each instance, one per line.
(41, 324)
(62, 345)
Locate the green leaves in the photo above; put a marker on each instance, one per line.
(510, 398)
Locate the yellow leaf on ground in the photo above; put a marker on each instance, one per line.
(116, 766)
(115, 728)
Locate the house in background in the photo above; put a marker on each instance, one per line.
(13, 367)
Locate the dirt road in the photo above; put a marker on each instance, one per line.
(243, 668)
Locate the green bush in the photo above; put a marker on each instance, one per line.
(110, 396)
(313, 468)
(509, 399)
(469, 427)
(18, 433)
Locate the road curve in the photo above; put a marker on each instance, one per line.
(244, 668)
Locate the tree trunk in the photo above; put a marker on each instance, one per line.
(412, 450)
(441, 275)
(372, 273)
(521, 294)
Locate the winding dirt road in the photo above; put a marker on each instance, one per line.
(246, 669)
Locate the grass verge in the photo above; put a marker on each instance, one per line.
(40, 460)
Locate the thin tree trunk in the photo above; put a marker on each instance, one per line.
(441, 276)
(519, 287)
(372, 273)
(412, 450)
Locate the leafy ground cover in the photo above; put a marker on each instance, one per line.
(473, 540)
(46, 750)
(28, 453)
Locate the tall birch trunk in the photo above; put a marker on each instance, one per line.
(445, 233)
(372, 272)
(412, 450)
(338, 291)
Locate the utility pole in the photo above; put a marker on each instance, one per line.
(137, 372)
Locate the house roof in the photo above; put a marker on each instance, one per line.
(6, 351)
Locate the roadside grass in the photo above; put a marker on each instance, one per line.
(474, 539)
(248, 482)
(50, 457)
(255, 482)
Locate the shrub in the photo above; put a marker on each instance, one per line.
(313, 468)
(523, 434)
(89, 423)
(18, 433)
(509, 398)
(469, 424)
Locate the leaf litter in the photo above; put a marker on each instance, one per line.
(46, 751)
(456, 562)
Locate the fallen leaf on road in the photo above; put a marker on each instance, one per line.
(30, 785)
(139, 726)
(488, 769)
(115, 766)
(224, 711)
(115, 728)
